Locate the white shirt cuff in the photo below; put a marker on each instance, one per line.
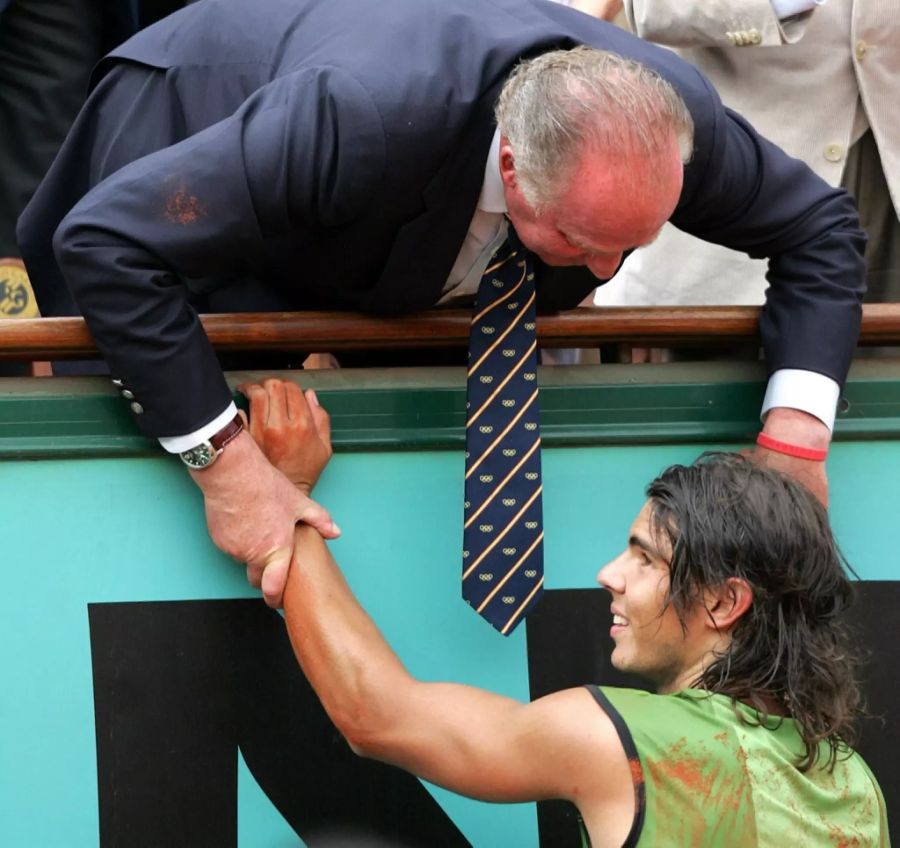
(789, 8)
(177, 444)
(807, 391)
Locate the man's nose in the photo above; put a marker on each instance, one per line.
(611, 576)
(604, 265)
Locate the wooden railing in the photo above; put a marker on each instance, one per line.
(69, 338)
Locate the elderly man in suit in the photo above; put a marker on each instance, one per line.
(321, 157)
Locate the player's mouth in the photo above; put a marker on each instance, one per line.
(619, 623)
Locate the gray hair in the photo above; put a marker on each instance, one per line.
(556, 104)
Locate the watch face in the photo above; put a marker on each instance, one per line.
(200, 456)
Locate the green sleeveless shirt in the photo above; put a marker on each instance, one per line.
(705, 778)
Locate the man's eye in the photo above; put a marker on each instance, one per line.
(645, 560)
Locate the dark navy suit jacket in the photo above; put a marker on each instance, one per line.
(329, 154)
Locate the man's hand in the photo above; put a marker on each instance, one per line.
(251, 512)
(796, 428)
(291, 429)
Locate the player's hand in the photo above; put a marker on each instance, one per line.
(251, 512)
(796, 428)
(291, 429)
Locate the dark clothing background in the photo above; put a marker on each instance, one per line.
(47, 51)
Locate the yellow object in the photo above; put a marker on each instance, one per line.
(16, 297)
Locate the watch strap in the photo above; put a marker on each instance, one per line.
(229, 432)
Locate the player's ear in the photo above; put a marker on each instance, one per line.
(728, 602)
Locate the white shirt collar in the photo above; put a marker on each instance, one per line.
(492, 198)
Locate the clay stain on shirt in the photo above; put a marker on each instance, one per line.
(637, 772)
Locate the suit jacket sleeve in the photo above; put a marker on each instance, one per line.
(300, 156)
(743, 192)
(678, 23)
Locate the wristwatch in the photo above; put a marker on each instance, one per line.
(206, 453)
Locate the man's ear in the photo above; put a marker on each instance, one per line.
(726, 604)
(507, 164)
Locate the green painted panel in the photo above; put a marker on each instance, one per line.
(419, 408)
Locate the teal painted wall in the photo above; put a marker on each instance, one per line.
(97, 530)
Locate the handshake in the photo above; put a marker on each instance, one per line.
(259, 489)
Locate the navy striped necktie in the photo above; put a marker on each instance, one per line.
(503, 556)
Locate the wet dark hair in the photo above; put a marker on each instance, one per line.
(726, 517)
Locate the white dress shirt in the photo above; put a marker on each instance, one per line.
(789, 8)
(487, 232)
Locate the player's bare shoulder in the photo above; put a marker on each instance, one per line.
(595, 771)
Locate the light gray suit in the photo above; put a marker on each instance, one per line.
(815, 85)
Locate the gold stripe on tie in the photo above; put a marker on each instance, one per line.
(510, 573)
(500, 264)
(522, 606)
(506, 429)
(506, 479)
(506, 379)
(503, 532)
(501, 337)
(500, 300)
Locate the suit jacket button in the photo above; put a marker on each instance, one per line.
(754, 36)
(834, 152)
(127, 394)
(118, 383)
(136, 408)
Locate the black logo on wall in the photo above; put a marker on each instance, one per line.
(180, 686)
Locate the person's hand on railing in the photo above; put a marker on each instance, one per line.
(291, 429)
(252, 510)
(800, 429)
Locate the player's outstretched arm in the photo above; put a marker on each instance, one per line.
(468, 740)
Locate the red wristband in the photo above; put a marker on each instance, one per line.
(791, 450)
